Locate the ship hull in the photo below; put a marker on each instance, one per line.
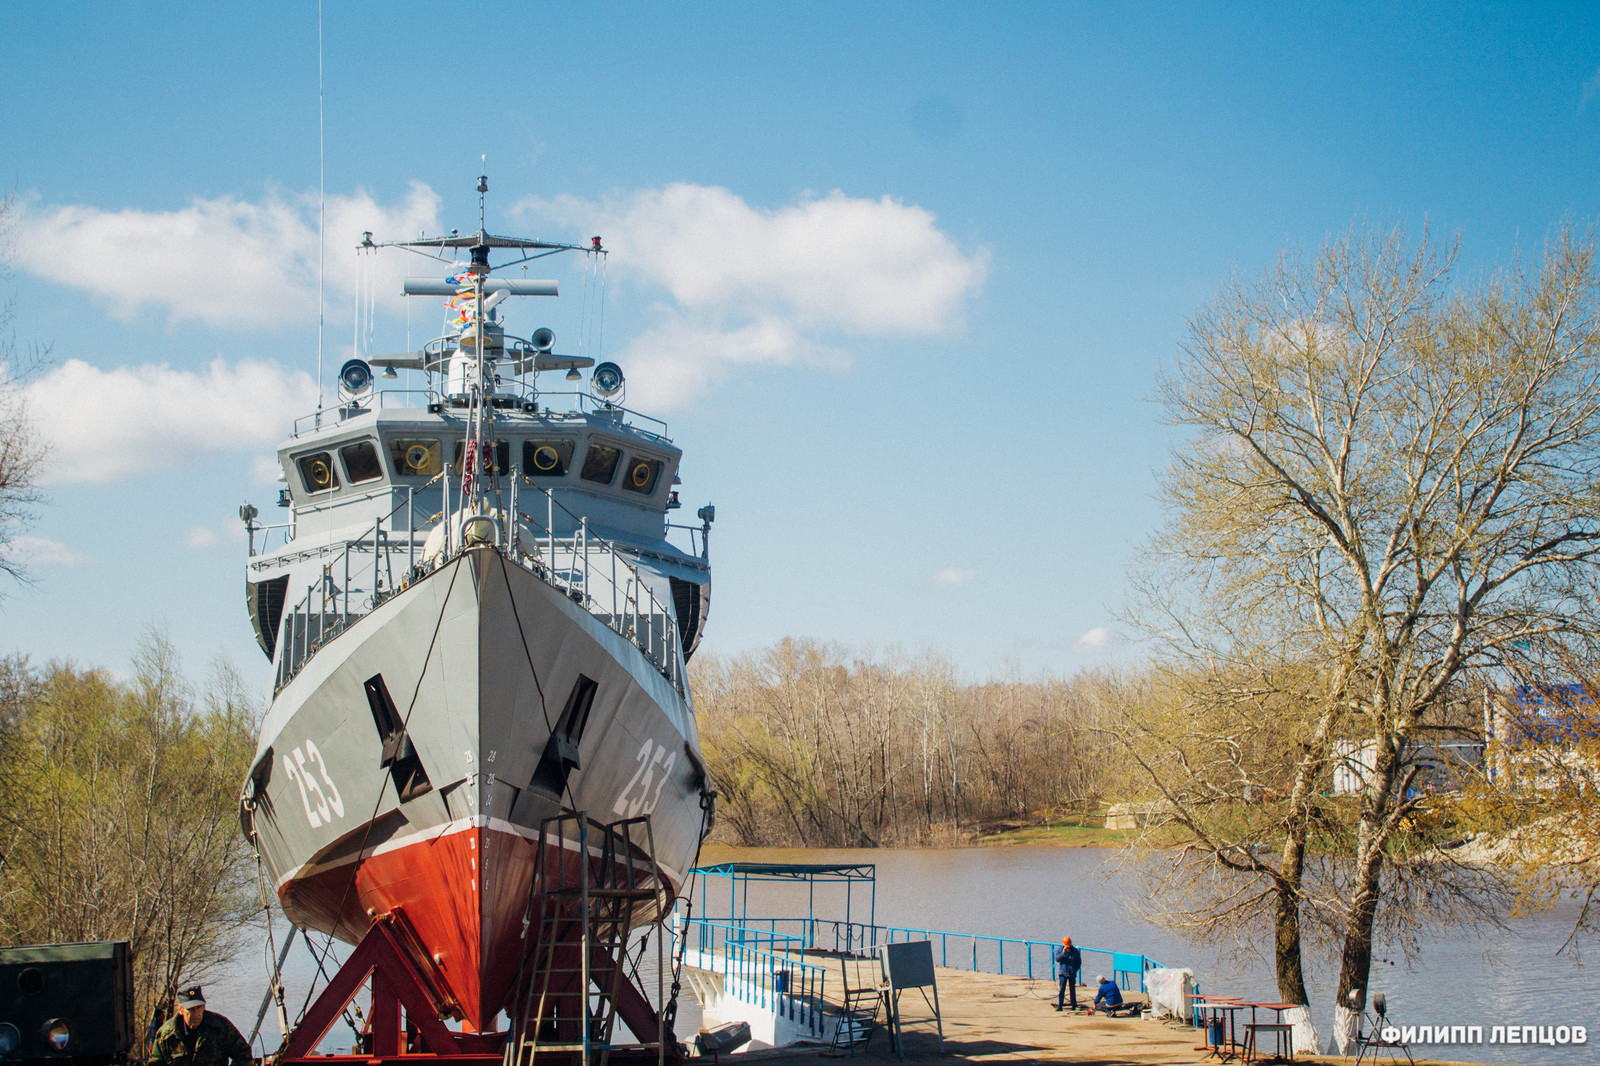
(478, 663)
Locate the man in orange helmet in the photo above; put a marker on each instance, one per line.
(1068, 963)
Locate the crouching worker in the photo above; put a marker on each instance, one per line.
(194, 1036)
(1109, 997)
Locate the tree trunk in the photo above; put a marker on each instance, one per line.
(1286, 925)
(1290, 961)
(1355, 959)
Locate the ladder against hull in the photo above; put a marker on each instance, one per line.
(593, 885)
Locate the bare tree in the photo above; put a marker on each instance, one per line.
(1392, 484)
(20, 452)
(1234, 757)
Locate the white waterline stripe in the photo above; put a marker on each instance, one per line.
(479, 821)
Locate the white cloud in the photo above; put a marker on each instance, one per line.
(226, 262)
(102, 425)
(1099, 639)
(746, 286)
(226, 532)
(43, 551)
(676, 360)
(951, 576)
(201, 537)
(740, 286)
(265, 468)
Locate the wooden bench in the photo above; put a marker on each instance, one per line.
(1283, 1030)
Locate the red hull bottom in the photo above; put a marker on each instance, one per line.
(463, 893)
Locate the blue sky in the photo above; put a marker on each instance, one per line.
(899, 276)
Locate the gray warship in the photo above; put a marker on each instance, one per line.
(476, 620)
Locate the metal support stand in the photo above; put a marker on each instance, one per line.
(399, 983)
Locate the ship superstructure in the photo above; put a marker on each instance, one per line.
(477, 621)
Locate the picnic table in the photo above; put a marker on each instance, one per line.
(1278, 1028)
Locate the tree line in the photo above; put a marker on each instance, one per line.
(812, 744)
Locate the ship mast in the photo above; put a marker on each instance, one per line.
(477, 466)
(480, 414)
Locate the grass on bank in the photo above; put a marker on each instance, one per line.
(1080, 829)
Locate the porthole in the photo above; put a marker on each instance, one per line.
(361, 461)
(316, 470)
(600, 463)
(416, 457)
(546, 458)
(642, 475)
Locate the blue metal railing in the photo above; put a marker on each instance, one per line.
(978, 952)
(763, 968)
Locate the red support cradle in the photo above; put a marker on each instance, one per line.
(399, 984)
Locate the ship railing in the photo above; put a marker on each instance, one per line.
(284, 531)
(697, 537)
(349, 587)
(764, 969)
(517, 394)
(590, 404)
(327, 416)
(594, 574)
(586, 567)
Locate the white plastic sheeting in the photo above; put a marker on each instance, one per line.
(1169, 991)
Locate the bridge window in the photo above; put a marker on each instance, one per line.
(546, 458)
(416, 456)
(642, 475)
(361, 462)
(499, 457)
(316, 470)
(600, 463)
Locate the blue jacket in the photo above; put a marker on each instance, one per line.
(1068, 962)
(1109, 993)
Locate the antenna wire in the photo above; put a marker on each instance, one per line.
(322, 214)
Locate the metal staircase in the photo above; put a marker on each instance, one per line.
(593, 884)
(858, 1010)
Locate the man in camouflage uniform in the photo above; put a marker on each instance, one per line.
(194, 1036)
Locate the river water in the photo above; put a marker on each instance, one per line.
(1044, 893)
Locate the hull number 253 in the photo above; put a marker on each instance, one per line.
(320, 799)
